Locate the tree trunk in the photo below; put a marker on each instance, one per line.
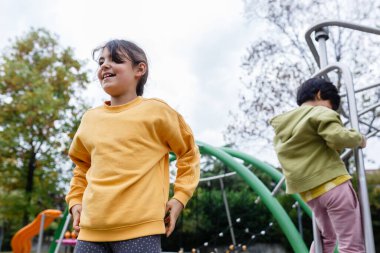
(29, 184)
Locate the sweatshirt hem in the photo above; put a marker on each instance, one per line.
(123, 233)
(320, 177)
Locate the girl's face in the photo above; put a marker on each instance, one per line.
(117, 79)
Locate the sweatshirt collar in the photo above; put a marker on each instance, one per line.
(118, 108)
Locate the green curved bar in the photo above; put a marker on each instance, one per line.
(58, 231)
(268, 200)
(271, 171)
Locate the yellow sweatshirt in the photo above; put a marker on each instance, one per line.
(121, 176)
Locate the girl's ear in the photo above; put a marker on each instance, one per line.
(140, 69)
(318, 96)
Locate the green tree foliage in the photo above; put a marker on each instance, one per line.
(40, 108)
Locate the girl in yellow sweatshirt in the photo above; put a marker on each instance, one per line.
(119, 191)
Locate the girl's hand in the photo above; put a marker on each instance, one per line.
(173, 210)
(76, 210)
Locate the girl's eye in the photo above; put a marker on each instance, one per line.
(100, 63)
(118, 61)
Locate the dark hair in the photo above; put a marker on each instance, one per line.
(120, 50)
(309, 89)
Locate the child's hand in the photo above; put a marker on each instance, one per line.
(363, 144)
(173, 209)
(76, 211)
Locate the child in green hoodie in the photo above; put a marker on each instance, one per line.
(307, 142)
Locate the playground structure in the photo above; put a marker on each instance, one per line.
(230, 157)
(21, 241)
(321, 35)
(227, 156)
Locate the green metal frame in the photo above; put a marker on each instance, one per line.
(269, 170)
(257, 186)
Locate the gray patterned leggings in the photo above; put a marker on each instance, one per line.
(146, 244)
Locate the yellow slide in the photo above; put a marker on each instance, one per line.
(22, 240)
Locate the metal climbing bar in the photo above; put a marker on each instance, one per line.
(227, 207)
(364, 111)
(326, 24)
(358, 153)
(275, 190)
(321, 35)
(207, 179)
(362, 89)
(370, 108)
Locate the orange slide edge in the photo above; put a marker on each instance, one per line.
(22, 240)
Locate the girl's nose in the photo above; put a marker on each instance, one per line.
(105, 66)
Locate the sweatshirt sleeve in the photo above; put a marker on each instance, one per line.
(82, 160)
(331, 129)
(181, 141)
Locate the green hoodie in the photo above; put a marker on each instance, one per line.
(307, 141)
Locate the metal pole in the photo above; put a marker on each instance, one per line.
(227, 211)
(321, 35)
(358, 154)
(317, 237)
(352, 26)
(275, 190)
(278, 186)
(208, 179)
(41, 234)
(359, 162)
(362, 89)
(299, 216)
(68, 217)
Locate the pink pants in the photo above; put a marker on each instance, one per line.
(337, 213)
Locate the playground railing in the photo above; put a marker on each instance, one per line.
(321, 35)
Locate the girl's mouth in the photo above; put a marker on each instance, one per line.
(108, 75)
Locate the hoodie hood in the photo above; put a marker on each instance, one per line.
(284, 124)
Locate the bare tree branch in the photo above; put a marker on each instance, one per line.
(279, 60)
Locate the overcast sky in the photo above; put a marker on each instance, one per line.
(194, 48)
